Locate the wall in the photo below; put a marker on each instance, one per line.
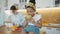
(39, 3)
(12, 2)
(2, 9)
(45, 3)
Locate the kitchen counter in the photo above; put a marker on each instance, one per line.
(15, 32)
(3, 30)
(52, 25)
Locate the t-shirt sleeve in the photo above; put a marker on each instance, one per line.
(37, 17)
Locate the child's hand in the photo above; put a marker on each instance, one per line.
(32, 20)
(8, 21)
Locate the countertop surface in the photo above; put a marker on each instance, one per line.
(52, 25)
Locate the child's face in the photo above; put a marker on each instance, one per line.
(13, 11)
(30, 11)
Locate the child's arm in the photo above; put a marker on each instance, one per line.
(7, 21)
(25, 23)
(39, 23)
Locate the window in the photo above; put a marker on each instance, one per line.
(22, 4)
(57, 3)
(23, 1)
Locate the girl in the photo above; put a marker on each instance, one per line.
(32, 26)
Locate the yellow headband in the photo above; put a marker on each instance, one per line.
(31, 5)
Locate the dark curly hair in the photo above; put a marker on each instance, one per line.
(13, 7)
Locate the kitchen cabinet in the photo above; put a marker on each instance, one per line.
(51, 30)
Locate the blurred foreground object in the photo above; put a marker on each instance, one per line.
(28, 17)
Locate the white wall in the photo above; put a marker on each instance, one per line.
(2, 9)
(39, 3)
(45, 3)
(12, 2)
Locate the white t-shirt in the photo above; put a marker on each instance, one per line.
(17, 19)
(36, 17)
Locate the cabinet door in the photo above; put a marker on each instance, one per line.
(57, 30)
(51, 31)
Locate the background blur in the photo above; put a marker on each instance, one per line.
(6, 4)
(50, 10)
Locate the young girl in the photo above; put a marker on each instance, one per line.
(32, 26)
